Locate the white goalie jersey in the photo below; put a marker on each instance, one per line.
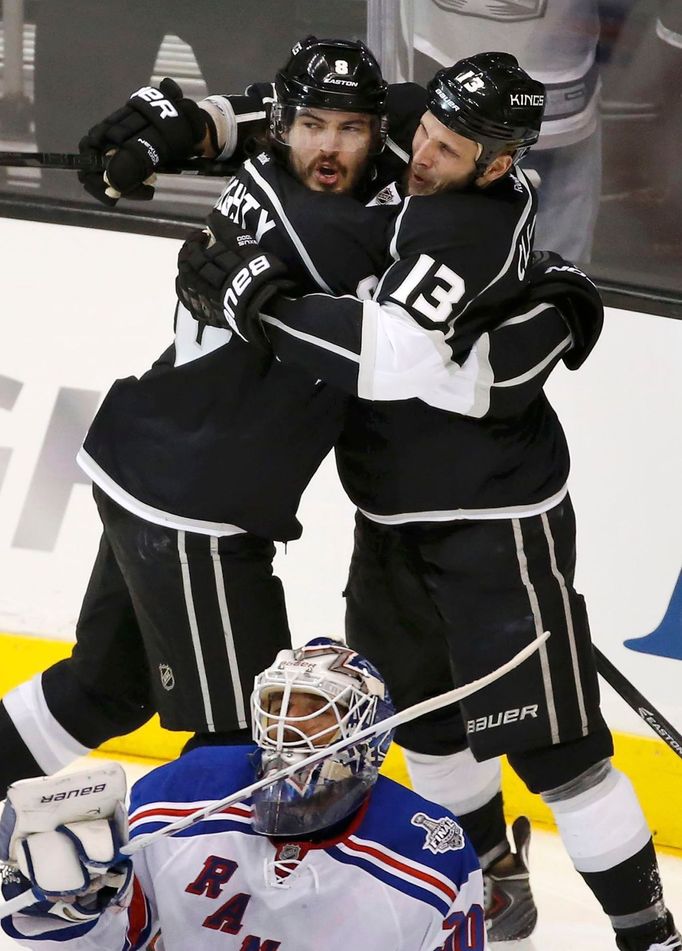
(400, 877)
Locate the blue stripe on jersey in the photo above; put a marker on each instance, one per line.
(388, 822)
(205, 827)
(393, 881)
(63, 934)
(209, 772)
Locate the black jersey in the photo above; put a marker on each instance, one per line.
(457, 259)
(452, 421)
(481, 439)
(218, 437)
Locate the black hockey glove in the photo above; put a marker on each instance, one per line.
(155, 127)
(553, 279)
(225, 278)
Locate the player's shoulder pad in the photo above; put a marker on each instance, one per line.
(205, 773)
(417, 829)
(480, 220)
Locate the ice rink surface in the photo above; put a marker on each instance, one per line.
(569, 917)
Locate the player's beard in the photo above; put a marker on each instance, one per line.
(327, 174)
(417, 184)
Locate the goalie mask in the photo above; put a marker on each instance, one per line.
(308, 699)
(336, 75)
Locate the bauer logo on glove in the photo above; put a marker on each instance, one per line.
(225, 278)
(62, 835)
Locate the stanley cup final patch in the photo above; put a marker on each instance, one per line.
(442, 835)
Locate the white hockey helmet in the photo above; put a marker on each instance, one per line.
(351, 696)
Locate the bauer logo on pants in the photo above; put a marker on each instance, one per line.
(167, 676)
(442, 835)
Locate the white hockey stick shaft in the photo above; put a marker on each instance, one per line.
(410, 713)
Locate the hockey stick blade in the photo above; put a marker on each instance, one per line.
(411, 713)
(638, 702)
(70, 161)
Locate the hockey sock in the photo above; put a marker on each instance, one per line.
(471, 790)
(606, 835)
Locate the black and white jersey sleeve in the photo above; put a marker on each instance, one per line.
(238, 118)
(458, 259)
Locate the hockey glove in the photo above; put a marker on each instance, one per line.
(552, 279)
(49, 842)
(156, 127)
(73, 869)
(225, 278)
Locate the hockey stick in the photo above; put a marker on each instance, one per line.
(410, 713)
(75, 162)
(634, 699)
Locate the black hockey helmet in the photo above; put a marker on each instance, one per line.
(490, 99)
(330, 74)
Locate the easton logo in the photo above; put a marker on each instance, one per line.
(442, 835)
(657, 727)
(342, 82)
(73, 793)
(527, 99)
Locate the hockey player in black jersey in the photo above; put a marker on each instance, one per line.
(465, 539)
(199, 466)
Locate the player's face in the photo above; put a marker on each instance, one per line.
(441, 159)
(329, 149)
(309, 714)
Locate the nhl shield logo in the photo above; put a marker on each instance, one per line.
(167, 676)
(442, 835)
(506, 11)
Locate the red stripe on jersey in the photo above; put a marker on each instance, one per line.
(137, 915)
(409, 870)
(161, 811)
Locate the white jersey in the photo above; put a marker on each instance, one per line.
(554, 40)
(400, 877)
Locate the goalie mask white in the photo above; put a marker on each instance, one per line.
(345, 694)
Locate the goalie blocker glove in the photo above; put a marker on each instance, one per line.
(155, 127)
(225, 278)
(553, 279)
